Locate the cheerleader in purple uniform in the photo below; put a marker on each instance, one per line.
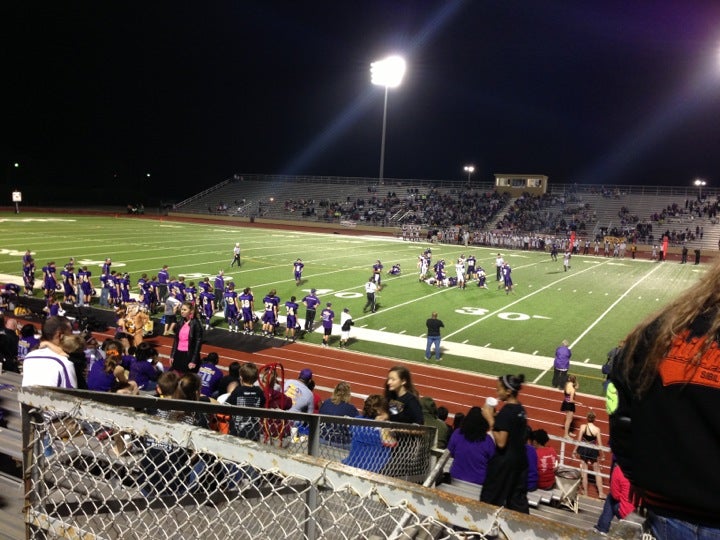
(231, 307)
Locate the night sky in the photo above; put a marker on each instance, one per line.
(98, 94)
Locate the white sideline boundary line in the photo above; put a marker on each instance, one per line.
(603, 315)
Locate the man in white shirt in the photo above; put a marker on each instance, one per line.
(49, 365)
(370, 290)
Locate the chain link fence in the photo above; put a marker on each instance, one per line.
(102, 466)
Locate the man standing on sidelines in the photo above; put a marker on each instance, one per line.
(219, 287)
(328, 316)
(311, 303)
(370, 291)
(433, 336)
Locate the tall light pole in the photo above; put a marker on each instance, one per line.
(699, 182)
(388, 73)
(469, 169)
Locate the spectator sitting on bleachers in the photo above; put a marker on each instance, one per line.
(547, 459)
(471, 448)
(371, 447)
(430, 417)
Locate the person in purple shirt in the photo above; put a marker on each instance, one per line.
(532, 457)
(220, 289)
(231, 307)
(106, 266)
(311, 303)
(191, 292)
(270, 315)
(145, 369)
(206, 300)
(291, 309)
(471, 448)
(104, 290)
(163, 277)
(151, 293)
(247, 305)
(561, 364)
(327, 316)
(204, 285)
(297, 271)
(209, 374)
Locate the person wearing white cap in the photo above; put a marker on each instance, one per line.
(236, 255)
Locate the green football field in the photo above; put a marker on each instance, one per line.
(593, 305)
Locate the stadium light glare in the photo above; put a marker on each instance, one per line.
(388, 73)
(469, 169)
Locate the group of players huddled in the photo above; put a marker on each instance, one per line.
(466, 270)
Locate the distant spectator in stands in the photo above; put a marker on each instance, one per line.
(561, 365)
(402, 397)
(547, 459)
(532, 457)
(371, 447)
(589, 456)
(74, 346)
(430, 418)
(506, 480)
(471, 448)
(210, 374)
(458, 419)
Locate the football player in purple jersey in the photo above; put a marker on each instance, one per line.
(327, 316)
(271, 303)
(86, 287)
(29, 275)
(68, 282)
(124, 288)
(113, 288)
(297, 271)
(291, 309)
(247, 305)
(49, 279)
(231, 307)
(377, 273)
(207, 306)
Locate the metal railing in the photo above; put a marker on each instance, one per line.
(96, 466)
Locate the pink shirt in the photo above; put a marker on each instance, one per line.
(184, 338)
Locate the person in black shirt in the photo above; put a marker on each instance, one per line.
(433, 336)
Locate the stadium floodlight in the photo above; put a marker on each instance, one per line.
(388, 73)
(469, 169)
(699, 182)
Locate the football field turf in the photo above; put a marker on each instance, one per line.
(593, 305)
